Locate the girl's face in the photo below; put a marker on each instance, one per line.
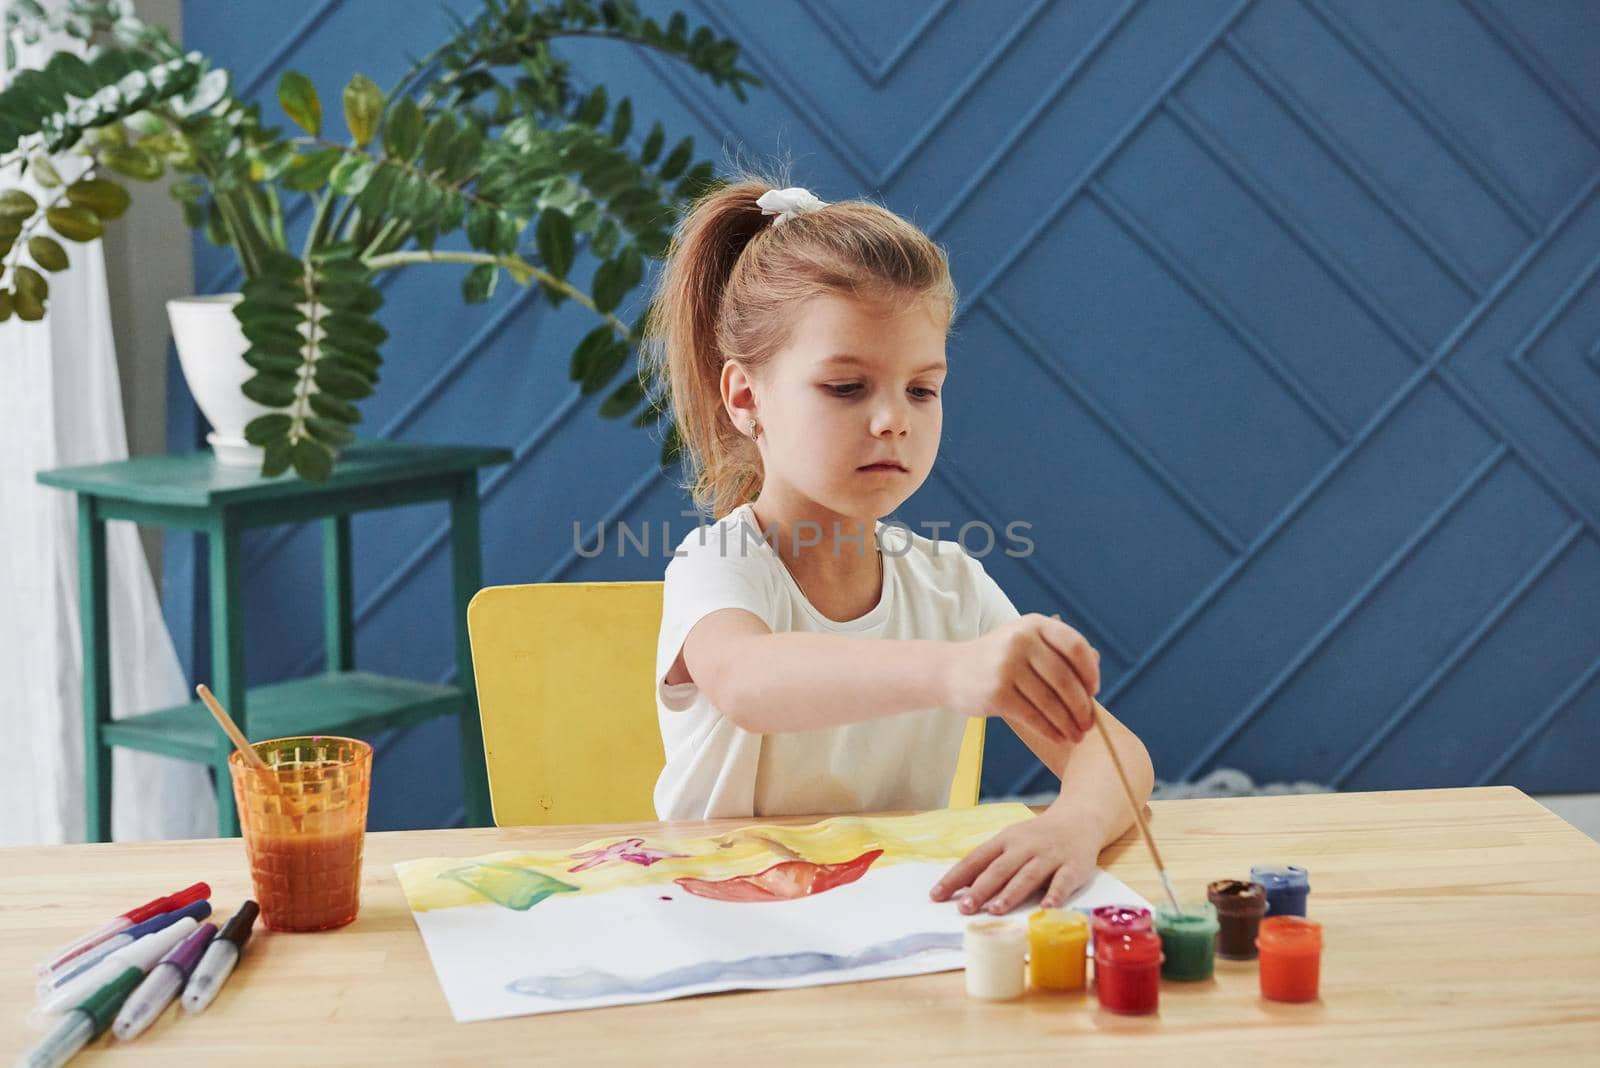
(850, 408)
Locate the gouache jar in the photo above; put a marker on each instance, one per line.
(1291, 958)
(1057, 941)
(995, 949)
(1286, 886)
(1127, 971)
(1188, 941)
(1239, 906)
(1118, 919)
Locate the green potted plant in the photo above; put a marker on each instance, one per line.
(486, 137)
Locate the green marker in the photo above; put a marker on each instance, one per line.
(1188, 941)
(83, 1023)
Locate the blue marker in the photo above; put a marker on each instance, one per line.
(199, 910)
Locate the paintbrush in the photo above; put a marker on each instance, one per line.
(1133, 801)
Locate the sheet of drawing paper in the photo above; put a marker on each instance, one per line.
(626, 920)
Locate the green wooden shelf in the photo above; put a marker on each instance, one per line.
(193, 491)
(355, 704)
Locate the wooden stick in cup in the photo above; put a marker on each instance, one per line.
(1133, 800)
(248, 751)
(231, 729)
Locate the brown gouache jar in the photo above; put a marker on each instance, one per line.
(1240, 906)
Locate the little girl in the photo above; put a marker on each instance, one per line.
(813, 659)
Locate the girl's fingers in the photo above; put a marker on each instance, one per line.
(1020, 886)
(1033, 698)
(1063, 885)
(966, 869)
(1068, 692)
(994, 877)
(1081, 657)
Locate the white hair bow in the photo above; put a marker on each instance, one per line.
(787, 203)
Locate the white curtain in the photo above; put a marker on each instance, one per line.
(61, 404)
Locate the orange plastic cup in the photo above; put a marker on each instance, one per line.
(1291, 958)
(304, 823)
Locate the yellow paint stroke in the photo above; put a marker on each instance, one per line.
(939, 835)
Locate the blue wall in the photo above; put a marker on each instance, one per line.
(1279, 323)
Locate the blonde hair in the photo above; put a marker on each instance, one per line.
(728, 291)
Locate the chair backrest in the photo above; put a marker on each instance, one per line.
(565, 675)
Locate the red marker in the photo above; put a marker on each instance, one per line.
(188, 895)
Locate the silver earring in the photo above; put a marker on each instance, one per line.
(755, 431)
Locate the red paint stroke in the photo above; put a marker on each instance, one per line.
(784, 881)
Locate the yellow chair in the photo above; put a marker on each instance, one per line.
(565, 674)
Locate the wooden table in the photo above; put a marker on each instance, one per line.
(1462, 927)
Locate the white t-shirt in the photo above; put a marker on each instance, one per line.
(932, 590)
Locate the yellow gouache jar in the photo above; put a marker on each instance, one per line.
(1058, 941)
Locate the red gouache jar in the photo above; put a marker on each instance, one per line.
(1127, 971)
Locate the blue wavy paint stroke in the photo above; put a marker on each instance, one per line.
(590, 984)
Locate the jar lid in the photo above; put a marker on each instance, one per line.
(1140, 946)
(1197, 917)
(1289, 934)
(1121, 918)
(1059, 922)
(1281, 877)
(1235, 896)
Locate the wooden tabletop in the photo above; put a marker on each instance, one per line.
(1462, 927)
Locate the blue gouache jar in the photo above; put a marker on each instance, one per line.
(1287, 887)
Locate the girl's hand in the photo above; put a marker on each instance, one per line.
(1052, 850)
(1035, 671)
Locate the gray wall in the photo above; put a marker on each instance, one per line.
(148, 261)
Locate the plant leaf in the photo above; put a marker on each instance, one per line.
(310, 172)
(402, 134)
(263, 428)
(479, 284)
(312, 460)
(593, 343)
(132, 161)
(102, 196)
(609, 286)
(331, 407)
(363, 107)
(16, 204)
(300, 101)
(47, 253)
(276, 459)
(74, 224)
(271, 390)
(557, 243)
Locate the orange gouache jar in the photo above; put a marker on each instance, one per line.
(1291, 958)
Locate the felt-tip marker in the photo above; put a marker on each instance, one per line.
(162, 984)
(116, 926)
(199, 910)
(138, 958)
(220, 958)
(82, 1024)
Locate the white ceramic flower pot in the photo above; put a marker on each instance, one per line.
(211, 348)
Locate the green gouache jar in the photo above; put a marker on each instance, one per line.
(1188, 941)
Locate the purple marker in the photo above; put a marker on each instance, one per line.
(199, 910)
(162, 984)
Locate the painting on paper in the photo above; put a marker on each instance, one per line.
(629, 919)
